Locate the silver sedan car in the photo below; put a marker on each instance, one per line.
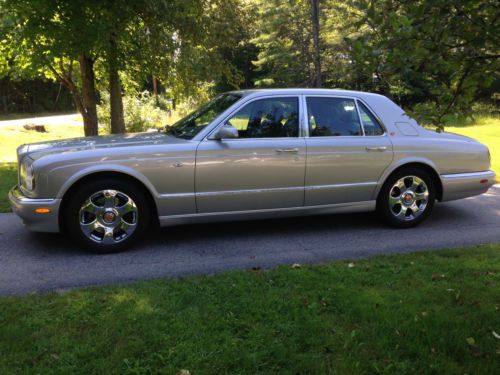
(248, 155)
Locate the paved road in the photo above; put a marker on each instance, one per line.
(42, 262)
(71, 119)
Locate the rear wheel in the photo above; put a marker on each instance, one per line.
(407, 198)
(107, 215)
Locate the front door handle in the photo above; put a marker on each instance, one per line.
(289, 150)
(376, 149)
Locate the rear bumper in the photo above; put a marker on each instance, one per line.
(463, 185)
(25, 208)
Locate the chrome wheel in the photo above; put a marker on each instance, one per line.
(408, 198)
(108, 217)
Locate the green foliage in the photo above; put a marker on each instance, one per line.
(431, 56)
(141, 112)
(422, 313)
(8, 178)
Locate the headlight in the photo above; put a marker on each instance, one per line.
(27, 175)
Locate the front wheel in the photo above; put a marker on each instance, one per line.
(107, 215)
(407, 198)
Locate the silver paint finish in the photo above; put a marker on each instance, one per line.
(188, 178)
(463, 185)
(25, 207)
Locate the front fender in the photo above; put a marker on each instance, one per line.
(74, 173)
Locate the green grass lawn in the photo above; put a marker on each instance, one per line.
(421, 313)
(486, 129)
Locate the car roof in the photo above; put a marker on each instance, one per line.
(305, 91)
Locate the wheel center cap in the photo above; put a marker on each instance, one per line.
(109, 217)
(408, 198)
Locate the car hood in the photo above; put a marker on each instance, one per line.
(40, 149)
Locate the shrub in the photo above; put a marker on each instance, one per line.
(141, 112)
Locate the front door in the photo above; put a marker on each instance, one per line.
(261, 169)
(347, 151)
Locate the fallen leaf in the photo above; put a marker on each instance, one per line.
(296, 265)
(470, 340)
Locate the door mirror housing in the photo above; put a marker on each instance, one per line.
(226, 131)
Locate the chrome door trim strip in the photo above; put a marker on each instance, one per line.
(268, 190)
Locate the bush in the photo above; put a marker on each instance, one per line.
(141, 112)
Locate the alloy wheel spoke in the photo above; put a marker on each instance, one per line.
(127, 208)
(108, 237)
(90, 207)
(109, 198)
(89, 228)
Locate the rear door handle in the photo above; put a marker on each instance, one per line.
(289, 150)
(376, 149)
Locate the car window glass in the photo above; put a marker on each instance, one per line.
(332, 117)
(195, 122)
(370, 123)
(268, 118)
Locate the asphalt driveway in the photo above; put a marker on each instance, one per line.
(43, 262)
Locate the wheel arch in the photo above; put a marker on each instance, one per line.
(84, 178)
(426, 166)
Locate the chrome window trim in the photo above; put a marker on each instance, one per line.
(359, 117)
(246, 102)
(356, 99)
(374, 115)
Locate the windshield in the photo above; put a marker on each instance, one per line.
(195, 122)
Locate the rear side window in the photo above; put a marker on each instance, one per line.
(370, 123)
(332, 117)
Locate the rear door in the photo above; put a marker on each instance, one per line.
(347, 151)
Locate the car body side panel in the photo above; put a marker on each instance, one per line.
(167, 172)
(341, 169)
(249, 174)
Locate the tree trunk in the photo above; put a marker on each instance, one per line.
(115, 92)
(315, 32)
(88, 97)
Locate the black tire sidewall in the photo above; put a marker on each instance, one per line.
(382, 201)
(75, 201)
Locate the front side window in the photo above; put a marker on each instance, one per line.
(192, 124)
(370, 123)
(268, 118)
(333, 117)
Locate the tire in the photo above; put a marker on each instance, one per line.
(406, 198)
(107, 215)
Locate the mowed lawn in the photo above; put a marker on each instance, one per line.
(486, 129)
(421, 313)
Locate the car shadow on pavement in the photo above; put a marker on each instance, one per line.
(189, 237)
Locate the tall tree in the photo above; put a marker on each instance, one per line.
(315, 35)
(49, 39)
(431, 55)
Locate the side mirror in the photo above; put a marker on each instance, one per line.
(226, 131)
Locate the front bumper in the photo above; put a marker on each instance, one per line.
(463, 185)
(25, 208)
